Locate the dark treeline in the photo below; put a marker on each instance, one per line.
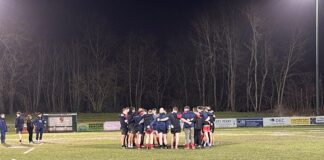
(233, 58)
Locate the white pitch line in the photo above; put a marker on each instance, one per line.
(17, 147)
(29, 150)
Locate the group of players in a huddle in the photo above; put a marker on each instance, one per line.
(152, 127)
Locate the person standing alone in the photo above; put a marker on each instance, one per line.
(3, 128)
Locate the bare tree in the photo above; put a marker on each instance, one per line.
(18, 60)
(162, 75)
(97, 83)
(255, 86)
(283, 68)
(74, 76)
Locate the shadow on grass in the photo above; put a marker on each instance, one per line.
(115, 146)
(45, 143)
(26, 145)
(99, 146)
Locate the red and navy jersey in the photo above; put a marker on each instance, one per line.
(138, 121)
(162, 124)
(174, 119)
(189, 116)
(130, 119)
(198, 122)
(204, 116)
(148, 119)
(123, 120)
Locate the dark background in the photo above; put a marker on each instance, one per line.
(165, 27)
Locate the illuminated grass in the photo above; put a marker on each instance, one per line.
(237, 143)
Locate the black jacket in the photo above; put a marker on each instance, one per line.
(30, 124)
(199, 121)
(123, 121)
(174, 120)
(19, 123)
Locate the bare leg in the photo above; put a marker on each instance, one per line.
(176, 140)
(147, 139)
(130, 140)
(139, 139)
(20, 137)
(151, 139)
(160, 139)
(165, 140)
(211, 135)
(172, 141)
(122, 139)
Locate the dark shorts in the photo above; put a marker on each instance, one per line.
(212, 127)
(131, 129)
(140, 130)
(20, 129)
(124, 131)
(175, 130)
(162, 130)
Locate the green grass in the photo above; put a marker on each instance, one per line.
(238, 143)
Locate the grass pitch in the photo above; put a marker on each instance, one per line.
(237, 143)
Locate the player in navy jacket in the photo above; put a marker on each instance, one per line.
(206, 125)
(39, 124)
(188, 118)
(3, 128)
(19, 125)
(198, 127)
(139, 127)
(174, 118)
(131, 127)
(123, 126)
(162, 127)
(148, 128)
(212, 117)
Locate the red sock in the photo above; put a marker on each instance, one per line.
(192, 146)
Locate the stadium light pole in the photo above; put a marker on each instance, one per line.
(317, 64)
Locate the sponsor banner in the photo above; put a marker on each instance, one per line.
(225, 123)
(319, 120)
(90, 127)
(276, 121)
(60, 121)
(83, 127)
(312, 120)
(300, 120)
(95, 127)
(60, 124)
(60, 114)
(112, 126)
(250, 122)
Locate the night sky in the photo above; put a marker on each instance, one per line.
(167, 26)
(163, 19)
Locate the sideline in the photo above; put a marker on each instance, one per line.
(28, 151)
